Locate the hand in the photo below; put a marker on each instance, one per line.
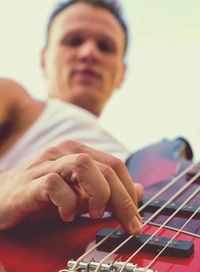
(74, 178)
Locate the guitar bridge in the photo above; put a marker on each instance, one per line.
(114, 267)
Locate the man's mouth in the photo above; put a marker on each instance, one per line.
(86, 75)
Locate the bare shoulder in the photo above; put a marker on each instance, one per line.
(18, 111)
(10, 89)
(11, 95)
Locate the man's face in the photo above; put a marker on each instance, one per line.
(84, 60)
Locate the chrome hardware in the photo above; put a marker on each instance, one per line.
(109, 267)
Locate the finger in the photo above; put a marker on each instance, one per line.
(67, 147)
(120, 169)
(51, 154)
(98, 185)
(139, 190)
(82, 169)
(117, 165)
(51, 188)
(122, 204)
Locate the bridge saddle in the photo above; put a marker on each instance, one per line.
(109, 267)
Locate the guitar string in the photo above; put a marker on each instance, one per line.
(174, 180)
(93, 248)
(177, 178)
(154, 215)
(172, 239)
(160, 228)
(184, 172)
(175, 229)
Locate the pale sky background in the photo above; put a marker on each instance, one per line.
(161, 94)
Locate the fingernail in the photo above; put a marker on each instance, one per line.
(97, 213)
(70, 217)
(139, 218)
(135, 225)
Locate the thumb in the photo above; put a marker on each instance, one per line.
(139, 190)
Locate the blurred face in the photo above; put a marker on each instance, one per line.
(83, 62)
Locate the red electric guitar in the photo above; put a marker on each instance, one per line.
(170, 240)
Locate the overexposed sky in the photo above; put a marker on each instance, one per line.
(161, 93)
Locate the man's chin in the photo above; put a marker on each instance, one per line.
(88, 101)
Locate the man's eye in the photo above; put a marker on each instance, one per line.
(73, 42)
(106, 47)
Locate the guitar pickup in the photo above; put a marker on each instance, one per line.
(173, 206)
(177, 248)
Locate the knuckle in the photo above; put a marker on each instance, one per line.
(107, 171)
(126, 204)
(70, 145)
(83, 159)
(117, 165)
(103, 194)
(106, 196)
(51, 181)
(52, 153)
(30, 174)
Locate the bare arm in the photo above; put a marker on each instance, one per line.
(71, 176)
(11, 94)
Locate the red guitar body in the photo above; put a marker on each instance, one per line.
(47, 247)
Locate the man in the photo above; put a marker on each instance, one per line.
(83, 62)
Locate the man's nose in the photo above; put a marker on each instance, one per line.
(89, 51)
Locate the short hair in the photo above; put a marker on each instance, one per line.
(110, 5)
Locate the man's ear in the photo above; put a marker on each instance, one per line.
(121, 75)
(43, 60)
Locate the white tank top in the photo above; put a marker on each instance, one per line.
(58, 122)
